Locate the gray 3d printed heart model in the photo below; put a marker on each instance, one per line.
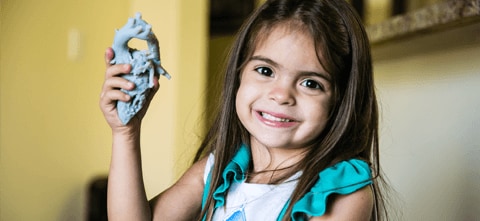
(145, 64)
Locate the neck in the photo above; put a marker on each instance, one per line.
(273, 165)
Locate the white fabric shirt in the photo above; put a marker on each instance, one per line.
(251, 201)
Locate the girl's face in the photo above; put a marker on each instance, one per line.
(284, 94)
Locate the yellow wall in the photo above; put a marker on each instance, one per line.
(175, 116)
(53, 138)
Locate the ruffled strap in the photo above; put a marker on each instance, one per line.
(342, 178)
(235, 171)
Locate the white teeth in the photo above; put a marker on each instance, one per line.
(272, 118)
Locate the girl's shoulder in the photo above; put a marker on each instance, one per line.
(343, 180)
(344, 176)
(354, 206)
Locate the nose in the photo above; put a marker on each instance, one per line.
(282, 93)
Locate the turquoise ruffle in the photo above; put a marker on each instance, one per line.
(234, 172)
(343, 178)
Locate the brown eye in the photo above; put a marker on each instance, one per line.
(311, 84)
(264, 71)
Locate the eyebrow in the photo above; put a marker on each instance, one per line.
(325, 76)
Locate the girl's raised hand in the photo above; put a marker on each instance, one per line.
(111, 94)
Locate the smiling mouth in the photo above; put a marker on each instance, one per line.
(273, 118)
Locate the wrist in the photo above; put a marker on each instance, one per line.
(129, 136)
(132, 129)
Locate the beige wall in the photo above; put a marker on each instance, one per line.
(53, 138)
(429, 89)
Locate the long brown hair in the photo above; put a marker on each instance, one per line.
(343, 50)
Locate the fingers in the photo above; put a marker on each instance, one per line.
(113, 74)
(109, 54)
(111, 93)
(156, 84)
(114, 88)
(111, 96)
(153, 91)
(114, 82)
(117, 69)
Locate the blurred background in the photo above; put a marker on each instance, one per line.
(54, 142)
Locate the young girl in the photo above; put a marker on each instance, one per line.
(295, 136)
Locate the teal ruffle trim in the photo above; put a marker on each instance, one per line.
(343, 178)
(234, 172)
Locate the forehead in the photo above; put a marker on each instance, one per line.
(282, 38)
(293, 26)
(280, 28)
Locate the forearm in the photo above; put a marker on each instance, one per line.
(127, 199)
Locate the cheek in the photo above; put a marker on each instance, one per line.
(241, 100)
(319, 112)
(238, 101)
(244, 94)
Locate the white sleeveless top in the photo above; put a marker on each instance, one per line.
(251, 201)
